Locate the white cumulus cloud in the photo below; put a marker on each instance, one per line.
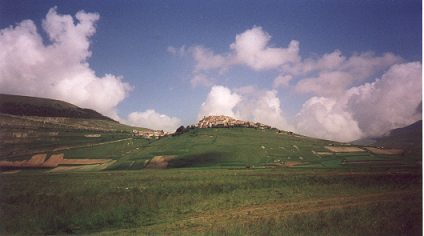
(220, 101)
(154, 120)
(325, 118)
(251, 48)
(390, 102)
(371, 109)
(262, 106)
(58, 69)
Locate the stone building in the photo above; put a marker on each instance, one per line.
(150, 134)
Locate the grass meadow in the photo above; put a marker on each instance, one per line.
(213, 201)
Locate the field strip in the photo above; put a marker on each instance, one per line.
(75, 161)
(391, 151)
(205, 221)
(90, 145)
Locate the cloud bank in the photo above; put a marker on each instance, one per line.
(368, 110)
(58, 69)
(342, 105)
(154, 120)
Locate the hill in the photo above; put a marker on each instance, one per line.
(408, 138)
(44, 107)
(31, 125)
(240, 147)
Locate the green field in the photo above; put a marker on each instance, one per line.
(284, 201)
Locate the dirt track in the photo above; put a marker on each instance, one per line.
(204, 222)
(292, 208)
(90, 145)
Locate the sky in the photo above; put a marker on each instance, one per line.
(339, 70)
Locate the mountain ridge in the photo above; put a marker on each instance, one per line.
(407, 138)
(45, 107)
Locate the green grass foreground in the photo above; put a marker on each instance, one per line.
(285, 201)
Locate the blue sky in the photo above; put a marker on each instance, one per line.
(150, 46)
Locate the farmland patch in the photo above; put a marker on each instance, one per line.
(55, 160)
(381, 151)
(344, 149)
(159, 162)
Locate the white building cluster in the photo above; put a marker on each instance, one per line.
(227, 122)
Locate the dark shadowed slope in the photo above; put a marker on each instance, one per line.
(408, 138)
(44, 107)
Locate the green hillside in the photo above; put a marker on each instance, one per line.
(235, 148)
(44, 107)
(23, 136)
(30, 125)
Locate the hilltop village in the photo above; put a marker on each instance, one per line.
(206, 122)
(227, 122)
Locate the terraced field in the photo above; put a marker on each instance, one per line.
(23, 136)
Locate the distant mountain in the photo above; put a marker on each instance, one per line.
(408, 138)
(44, 107)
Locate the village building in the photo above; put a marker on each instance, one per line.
(149, 134)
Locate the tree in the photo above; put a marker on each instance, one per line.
(180, 130)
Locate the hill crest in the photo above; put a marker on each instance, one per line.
(44, 107)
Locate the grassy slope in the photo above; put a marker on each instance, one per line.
(217, 201)
(216, 147)
(44, 134)
(236, 146)
(221, 147)
(30, 125)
